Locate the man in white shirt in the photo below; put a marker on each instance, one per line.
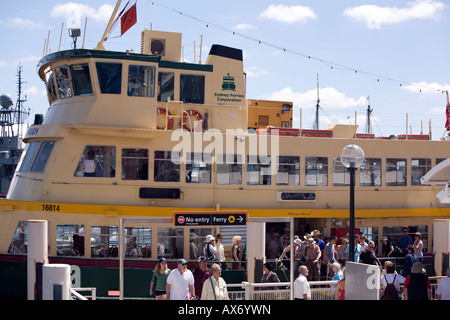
(302, 290)
(180, 283)
(215, 288)
(443, 288)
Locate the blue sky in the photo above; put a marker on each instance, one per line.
(396, 52)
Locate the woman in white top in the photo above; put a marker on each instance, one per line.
(418, 246)
(220, 255)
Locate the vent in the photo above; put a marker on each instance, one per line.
(158, 47)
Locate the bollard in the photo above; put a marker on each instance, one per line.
(56, 282)
(37, 256)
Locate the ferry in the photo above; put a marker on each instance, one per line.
(136, 146)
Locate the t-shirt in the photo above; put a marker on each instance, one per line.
(180, 283)
(301, 287)
(443, 289)
(199, 278)
(329, 251)
(357, 250)
(388, 278)
(161, 280)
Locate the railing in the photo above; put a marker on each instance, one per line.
(75, 293)
(320, 290)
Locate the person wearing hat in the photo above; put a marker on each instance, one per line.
(311, 256)
(201, 274)
(210, 249)
(269, 276)
(180, 283)
(286, 254)
(410, 258)
(159, 279)
(417, 284)
(387, 248)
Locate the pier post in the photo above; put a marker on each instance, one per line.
(37, 256)
(56, 282)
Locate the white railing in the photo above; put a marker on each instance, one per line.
(320, 290)
(76, 295)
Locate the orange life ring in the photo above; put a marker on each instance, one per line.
(194, 113)
(169, 121)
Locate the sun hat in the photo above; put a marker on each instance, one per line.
(209, 238)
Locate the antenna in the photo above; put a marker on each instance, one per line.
(316, 120)
(369, 114)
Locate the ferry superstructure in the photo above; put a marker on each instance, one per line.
(132, 139)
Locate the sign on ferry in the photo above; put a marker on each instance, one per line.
(209, 218)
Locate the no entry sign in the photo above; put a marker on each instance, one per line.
(208, 219)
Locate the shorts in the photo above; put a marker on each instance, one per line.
(160, 292)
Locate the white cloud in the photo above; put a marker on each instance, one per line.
(19, 23)
(74, 12)
(330, 98)
(243, 26)
(255, 72)
(288, 14)
(427, 87)
(374, 16)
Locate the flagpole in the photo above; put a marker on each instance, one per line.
(108, 27)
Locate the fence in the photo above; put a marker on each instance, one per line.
(320, 290)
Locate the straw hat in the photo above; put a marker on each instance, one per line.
(417, 267)
(315, 233)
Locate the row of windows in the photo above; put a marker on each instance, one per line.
(75, 80)
(99, 161)
(70, 241)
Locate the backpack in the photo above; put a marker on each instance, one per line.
(390, 292)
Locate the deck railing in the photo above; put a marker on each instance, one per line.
(320, 290)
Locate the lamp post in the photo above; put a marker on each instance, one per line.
(352, 157)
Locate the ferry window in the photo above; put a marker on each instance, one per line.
(341, 176)
(29, 151)
(50, 85)
(258, 170)
(396, 172)
(166, 85)
(81, 80)
(439, 160)
(419, 167)
(19, 240)
(42, 156)
(288, 172)
(138, 241)
(135, 164)
(197, 241)
(97, 161)
(170, 243)
(70, 239)
(141, 81)
(192, 88)
(167, 166)
(316, 171)
(63, 82)
(394, 233)
(198, 167)
(229, 168)
(109, 77)
(370, 173)
(104, 242)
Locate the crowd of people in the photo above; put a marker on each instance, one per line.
(204, 283)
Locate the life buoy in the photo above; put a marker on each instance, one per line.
(194, 113)
(169, 121)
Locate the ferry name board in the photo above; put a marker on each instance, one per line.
(209, 218)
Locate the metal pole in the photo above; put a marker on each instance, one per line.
(121, 255)
(37, 253)
(352, 171)
(292, 256)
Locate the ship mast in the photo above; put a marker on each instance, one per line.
(316, 120)
(369, 115)
(20, 102)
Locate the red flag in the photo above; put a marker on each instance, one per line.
(447, 112)
(128, 20)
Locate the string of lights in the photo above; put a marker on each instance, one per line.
(331, 64)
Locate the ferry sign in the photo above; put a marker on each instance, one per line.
(218, 218)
